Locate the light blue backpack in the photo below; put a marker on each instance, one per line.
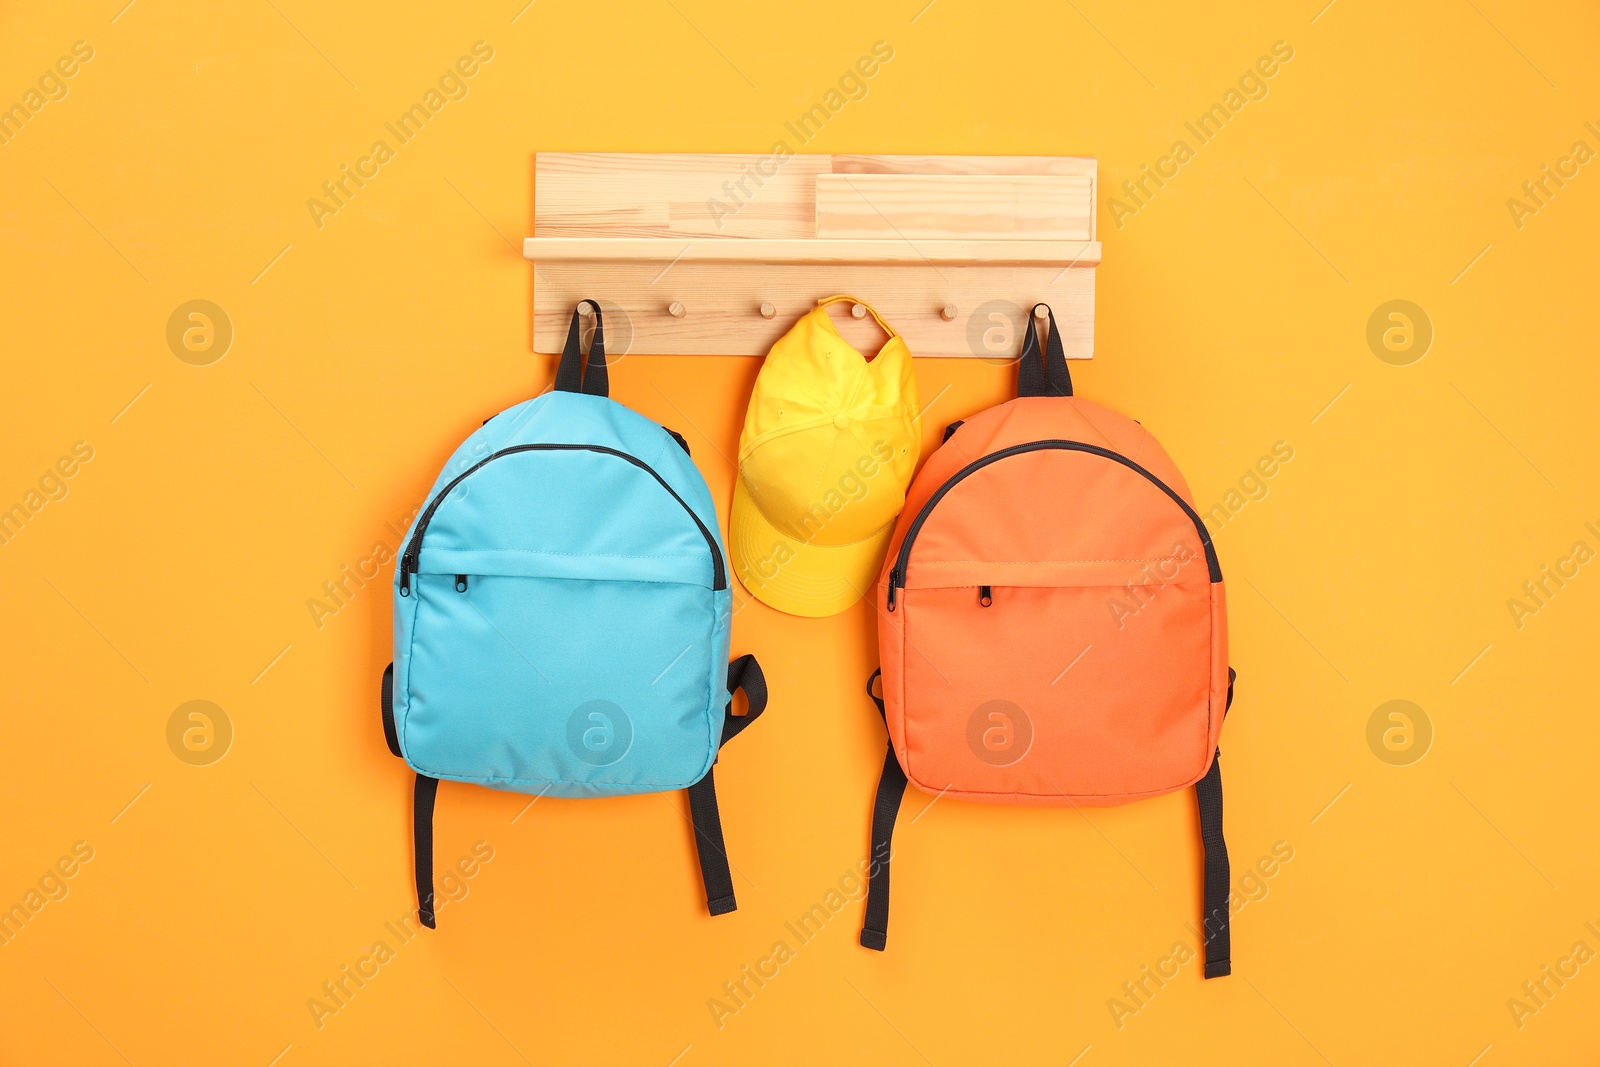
(562, 616)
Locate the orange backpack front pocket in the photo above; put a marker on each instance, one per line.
(1001, 707)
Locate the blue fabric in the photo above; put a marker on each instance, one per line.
(588, 654)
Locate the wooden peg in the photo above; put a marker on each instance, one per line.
(948, 313)
(586, 308)
(858, 311)
(768, 311)
(1040, 312)
(675, 309)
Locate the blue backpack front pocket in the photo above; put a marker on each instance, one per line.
(504, 691)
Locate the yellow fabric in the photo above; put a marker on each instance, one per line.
(829, 445)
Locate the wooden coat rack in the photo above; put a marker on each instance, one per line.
(719, 254)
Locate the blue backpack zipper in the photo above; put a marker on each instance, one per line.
(412, 557)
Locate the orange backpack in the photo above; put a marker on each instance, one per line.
(1052, 628)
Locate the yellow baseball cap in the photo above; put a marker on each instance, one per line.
(829, 445)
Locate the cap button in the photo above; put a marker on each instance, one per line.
(842, 421)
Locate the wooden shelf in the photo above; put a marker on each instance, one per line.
(719, 254)
(814, 250)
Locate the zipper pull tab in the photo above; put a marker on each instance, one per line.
(985, 595)
(405, 574)
(892, 581)
(461, 583)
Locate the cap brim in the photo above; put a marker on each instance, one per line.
(799, 577)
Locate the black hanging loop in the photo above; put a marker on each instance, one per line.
(574, 374)
(596, 382)
(569, 372)
(1047, 376)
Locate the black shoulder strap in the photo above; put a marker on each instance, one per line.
(386, 701)
(1208, 796)
(422, 798)
(885, 809)
(422, 830)
(1047, 376)
(743, 673)
(573, 375)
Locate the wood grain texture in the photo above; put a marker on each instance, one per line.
(722, 305)
(953, 206)
(626, 194)
(1082, 166)
(717, 236)
(759, 252)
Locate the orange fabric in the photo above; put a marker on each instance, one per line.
(1097, 671)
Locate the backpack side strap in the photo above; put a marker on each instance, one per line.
(423, 796)
(422, 829)
(743, 673)
(1208, 797)
(391, 735)
(885, 810)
